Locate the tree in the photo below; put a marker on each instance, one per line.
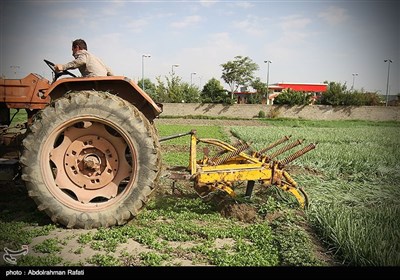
(149, 87)
(191, 94)
(293, 97)
(213, 92)
(261, 93)
(161, 91)
(238, 72)
(175, 91)
(334, 94)
(338, 95)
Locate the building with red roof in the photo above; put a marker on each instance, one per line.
(277, 88)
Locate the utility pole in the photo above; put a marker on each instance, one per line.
(354, 77)
(191, 78)
(143, 56)
(15, 67)
(387, 82)
(268, 62)
(172, 68)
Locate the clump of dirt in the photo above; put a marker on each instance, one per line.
(270, 217)
(240, 211)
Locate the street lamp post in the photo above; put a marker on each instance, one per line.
(268, 62)
(191, 78)
(16, 68)
(143, 56)
(387, 82)
(354, 77)
(174, 65)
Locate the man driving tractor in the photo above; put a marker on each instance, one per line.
(88, 64)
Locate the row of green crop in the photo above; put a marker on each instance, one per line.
(359, 153)
(354, 192)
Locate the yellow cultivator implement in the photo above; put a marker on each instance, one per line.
(239, 163)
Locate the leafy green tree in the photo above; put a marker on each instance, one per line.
(213, 92)
(292, 97)
(337, 94)
(261, 93)
(161, 91)
(149, 87)
(373, 99)
(238, 72)
(175, 91)
(334, 94)
(191, 94)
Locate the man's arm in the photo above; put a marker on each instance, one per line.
(76, 63)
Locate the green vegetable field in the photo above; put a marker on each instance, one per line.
(352, 179)
(355, 199)
(353, 219)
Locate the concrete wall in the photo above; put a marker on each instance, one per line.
(311, 112)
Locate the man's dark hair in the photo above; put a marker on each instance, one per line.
(80, 43)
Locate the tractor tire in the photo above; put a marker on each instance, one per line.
(4, 114)
(90, 160)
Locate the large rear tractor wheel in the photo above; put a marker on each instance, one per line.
(91, 160)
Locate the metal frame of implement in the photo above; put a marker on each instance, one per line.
(233, 164)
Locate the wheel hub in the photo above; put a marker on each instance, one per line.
(91, 162)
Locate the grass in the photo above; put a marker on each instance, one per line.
(355, 199)
(177, 150)
(174, 228)
(350, 178)
(18, 116)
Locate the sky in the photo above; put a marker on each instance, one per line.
(306, 41)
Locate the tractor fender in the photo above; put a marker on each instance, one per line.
(117, 85)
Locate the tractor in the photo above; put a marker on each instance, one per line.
(89, 152)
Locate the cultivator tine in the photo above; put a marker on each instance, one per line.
(231, 164)
(297, 154)
(301, 196)
(225, 157)
(284, 149)
(273, 145)
(236, 145)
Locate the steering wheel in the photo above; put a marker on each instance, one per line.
(58, 74)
